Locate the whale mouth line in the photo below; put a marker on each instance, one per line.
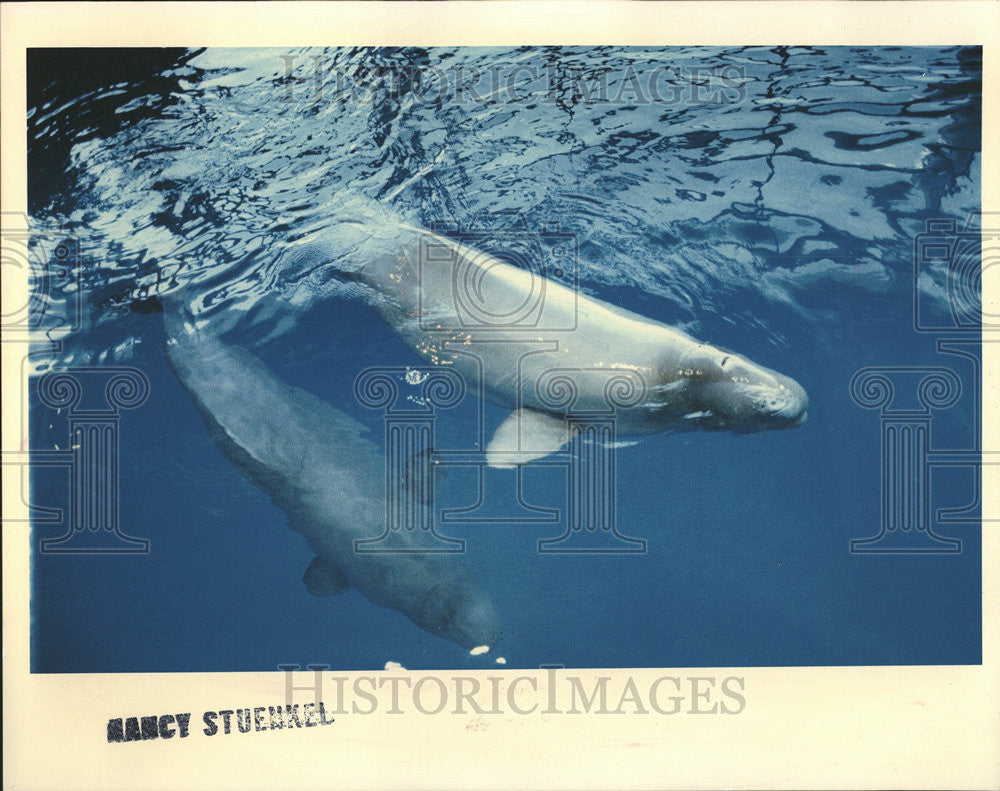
(799, 419)
(789, 411)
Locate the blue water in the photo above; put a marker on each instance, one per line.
(770, 201)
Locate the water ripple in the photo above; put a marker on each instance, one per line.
(705, 179)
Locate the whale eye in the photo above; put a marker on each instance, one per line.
(724, 361)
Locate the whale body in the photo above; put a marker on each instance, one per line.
(518, 338)
(315, 464)
(540, 348)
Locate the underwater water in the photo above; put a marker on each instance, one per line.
(810, 208)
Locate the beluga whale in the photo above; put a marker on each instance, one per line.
(316, 464)
(542, 349)
(536, 346)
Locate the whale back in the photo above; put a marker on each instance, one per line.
(317, 465)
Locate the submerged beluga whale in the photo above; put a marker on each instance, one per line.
(523, 341)
(519, 339)
(316, 465)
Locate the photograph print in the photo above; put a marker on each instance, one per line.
(458, 358)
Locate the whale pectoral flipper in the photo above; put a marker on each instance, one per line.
(527, 435)
(322, 579)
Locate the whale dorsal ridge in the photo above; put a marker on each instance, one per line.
(527, 435)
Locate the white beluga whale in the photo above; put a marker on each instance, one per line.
(316, 465)
(540, 348)
(545, 351)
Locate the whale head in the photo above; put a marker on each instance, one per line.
(712, 389)
(458, 610)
